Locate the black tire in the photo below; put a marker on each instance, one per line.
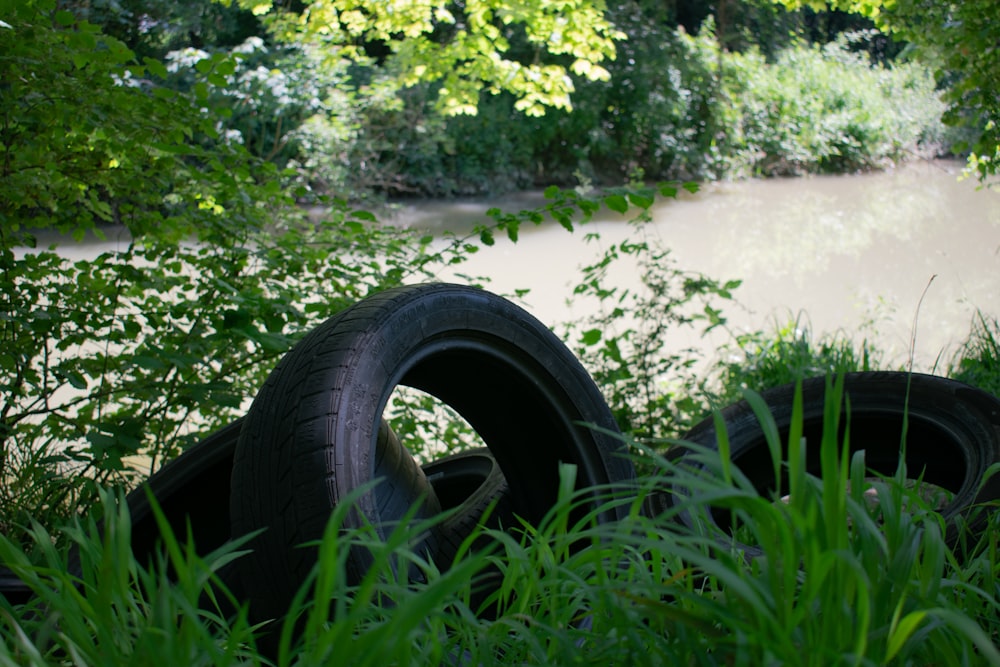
(192, 491)
(311, 431)
(470, 482)
(953, 436)
(12, 589)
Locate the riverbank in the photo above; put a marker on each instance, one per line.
(851, 254)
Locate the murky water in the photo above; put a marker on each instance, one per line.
(851, 254)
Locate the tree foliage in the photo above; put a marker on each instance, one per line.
(466, 47)
(962, 38)
(211, 270)
(190, 170)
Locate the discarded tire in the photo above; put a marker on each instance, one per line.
(12, 589)
(472, 486)
(953, 436)
(192, 492)
(470, 483)
(310, 437)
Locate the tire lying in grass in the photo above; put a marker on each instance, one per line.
(311, 432)
(471, 483)
(952, 438)
(192, 491)
(12, 589)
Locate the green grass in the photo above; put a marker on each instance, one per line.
(761, 360)
(977, 361)
(840, 581)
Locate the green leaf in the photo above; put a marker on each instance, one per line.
(640, 200)
(233, 319)
(227, 399)
(65, 18)
(361, 214)
(512, 231)
(225, 67)
(155, 67)
(148, 362)
(616, 203)
(100, 441)
(591, 336)
(486, 237)
(76, 380)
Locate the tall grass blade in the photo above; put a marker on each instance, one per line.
(771, 434)
(901, 630)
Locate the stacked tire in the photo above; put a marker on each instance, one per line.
(312, 435)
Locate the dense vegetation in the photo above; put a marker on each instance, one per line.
(191, 133)
(158, 122)
(845, 580)
(749, 90)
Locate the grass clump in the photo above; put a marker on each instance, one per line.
(95, 604)
(834, 578)
(759, 360)
(977, 361)
(824, 578)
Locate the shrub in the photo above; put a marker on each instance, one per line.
(827, 110)
(117, 361)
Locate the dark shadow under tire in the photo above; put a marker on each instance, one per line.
(953, 436)
(311, 432)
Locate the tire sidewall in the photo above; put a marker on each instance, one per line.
(953, 431)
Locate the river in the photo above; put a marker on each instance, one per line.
(841, 254)
(854, 255)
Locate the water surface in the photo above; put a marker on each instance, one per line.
(851, 254)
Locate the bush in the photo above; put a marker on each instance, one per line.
(656, 118)
(653, 390)
(827, 110)
(677, 107)
(116, 362)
